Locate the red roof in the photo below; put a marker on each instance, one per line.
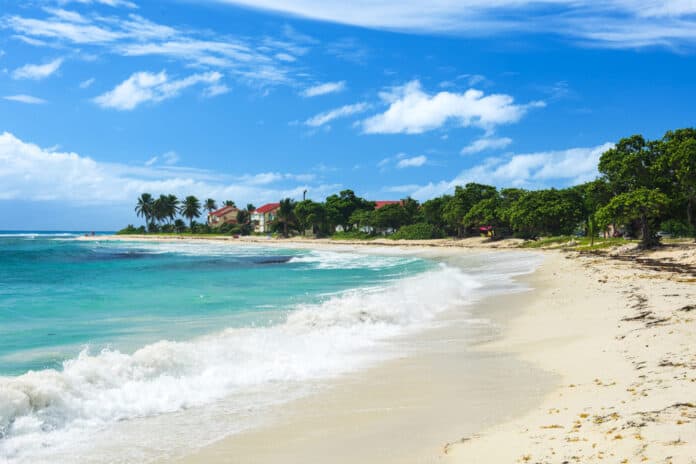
(381, 203)
(222, 211)
(267, 208)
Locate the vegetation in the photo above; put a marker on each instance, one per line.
(644, 187)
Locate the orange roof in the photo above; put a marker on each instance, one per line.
(267, 208)
(222, 211)
(381, 203)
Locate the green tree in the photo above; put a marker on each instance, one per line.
(680, 156)
(250, 207)
(640, 204)
(229, 203)
(145, 208)
(191, 209)
(432, 211)
(462, 201)
(310, 214)
(286, 215)
(390, 216)
(630, 165)
(545, 212)
(340, 207)
(210, 205)
(180, 226)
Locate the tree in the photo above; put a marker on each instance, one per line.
(191, 209)
(640, 204)
(390, 216)
(680, 157)
(595, 194)
(145, 208)
(340, 207)
(310, 214)
(630, 164)
(462, 201)
(180, 226)
(545, 212)
(244, 221)
(286, 214)
(250, 207)
(432, 211)
(229, 203)
(172, 207)
(210, 205)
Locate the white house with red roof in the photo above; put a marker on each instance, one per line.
(263, 216)
(224, 215)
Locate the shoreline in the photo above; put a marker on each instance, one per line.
(378, 414)
(616, 335)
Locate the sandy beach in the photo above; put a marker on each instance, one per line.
(596, 362)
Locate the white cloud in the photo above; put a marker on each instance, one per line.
(25, 99)
(325, 88)
(260, 62)
(327, 116)
(37, 71)
(486, 143)
(529, 170)
(414, 162)
(87, 83)
(413, 111)
(612, 23)
(32, 173)
(144, 87)
(112, 3)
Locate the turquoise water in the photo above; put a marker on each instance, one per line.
(58, 295)
(131, 351)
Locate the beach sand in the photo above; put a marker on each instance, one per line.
(596, 364)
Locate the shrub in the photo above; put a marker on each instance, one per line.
(421, 231)
(131, 230)
(677, 228)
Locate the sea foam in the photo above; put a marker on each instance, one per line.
(49, 412)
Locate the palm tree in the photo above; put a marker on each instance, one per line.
(191, 208)
(210, 205)
(159, 209)
(286, 214)
(172, 207)
(251, 208)
(144, 208)
(230, 203)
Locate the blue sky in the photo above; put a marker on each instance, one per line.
(101, 100)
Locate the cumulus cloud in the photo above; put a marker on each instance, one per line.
(87, 83)
(325, 88)
(21, 98)
(611, 23)
(33, 173)
(328, 116)
(144, 87)
(529, 170)
(37, 71)
(486, 143)
(413, 111)
(414, 162)
(401, 161)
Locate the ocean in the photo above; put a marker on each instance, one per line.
(110, 350)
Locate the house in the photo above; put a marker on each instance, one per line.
(263, 216)
(382, 203)
(225, 215)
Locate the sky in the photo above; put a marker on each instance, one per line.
(253, 101)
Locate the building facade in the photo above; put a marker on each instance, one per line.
(263, 217)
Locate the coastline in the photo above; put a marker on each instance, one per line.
(603, 361)
(401, 410)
